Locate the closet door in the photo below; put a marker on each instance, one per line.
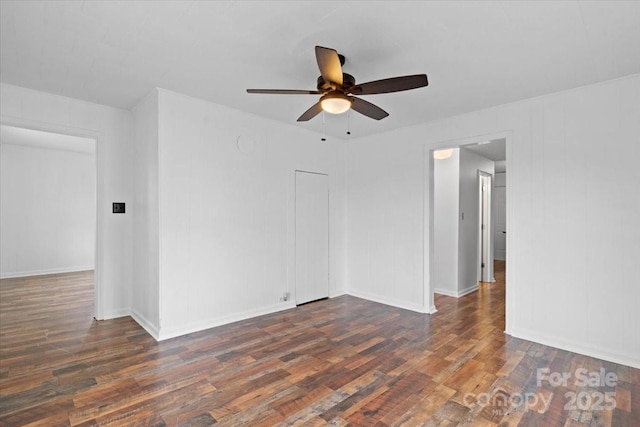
(312, 236)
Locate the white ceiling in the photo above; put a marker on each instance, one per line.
(476, 54)
(35, 138)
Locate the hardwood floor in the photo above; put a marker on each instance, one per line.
(338, 362)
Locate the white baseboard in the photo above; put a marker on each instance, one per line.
(160, 334)
(387, 301)
(468, 290)
(337, 293)
(167, 333)
(118, 312)
(632, 360)
(16, 274)
(456, 294)
(446, 292)
(146, 324)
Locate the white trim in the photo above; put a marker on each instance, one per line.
(510, 286)
(387, 301)
(160, 207)
(119, 312)
(488, 227)
(468, 290)
(456, 294)
(632, 360)
(427, 229)
(337, 293)
(145, 324)
(445, 292)
(213, 322)
(61, 270)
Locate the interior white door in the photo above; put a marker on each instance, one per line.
(485, 228)
(312, 236)
(500, 216)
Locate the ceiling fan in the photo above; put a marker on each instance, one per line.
(338, 88)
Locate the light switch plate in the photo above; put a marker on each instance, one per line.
(118, 207)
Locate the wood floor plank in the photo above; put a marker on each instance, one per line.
(339, 362)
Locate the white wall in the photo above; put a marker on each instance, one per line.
(446, 201)
(112, 129)
(573, 237)
(227, 212)
(384, 219)
(145, 299)
(468, 244)
(47, 210)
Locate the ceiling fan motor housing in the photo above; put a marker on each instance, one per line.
(347, 81)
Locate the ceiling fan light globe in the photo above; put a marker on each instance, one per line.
(335, 103)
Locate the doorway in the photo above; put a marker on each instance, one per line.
(49, 204)
(496, 148)
(311, 236)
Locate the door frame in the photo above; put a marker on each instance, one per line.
(98, 291)
(487, 231)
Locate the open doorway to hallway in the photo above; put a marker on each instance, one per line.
(458, 216)
(48, 207)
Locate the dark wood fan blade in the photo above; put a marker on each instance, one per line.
(368, 109)
(310, 113)
(394, 84)
(329, 64)
(284, 91)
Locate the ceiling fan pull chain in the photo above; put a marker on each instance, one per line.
(324, 133)
(349, 122)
